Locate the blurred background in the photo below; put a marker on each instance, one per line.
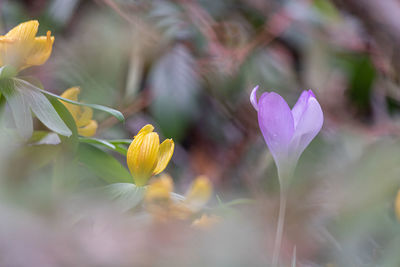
(188, 67)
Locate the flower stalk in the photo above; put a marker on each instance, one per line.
(287, 132)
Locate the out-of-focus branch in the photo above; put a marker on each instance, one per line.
(382, 20)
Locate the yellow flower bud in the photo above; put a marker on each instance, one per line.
(21, 48)
(146, 156)
(82, 115)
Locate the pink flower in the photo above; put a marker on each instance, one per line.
(286, 131)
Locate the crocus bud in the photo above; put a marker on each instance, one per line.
(286, 131)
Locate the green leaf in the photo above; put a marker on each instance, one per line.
(121, 141)
(19, 108)
(42, 107)
(103, 165)
(111, 111)
(44, 138)
(117, 147)
(63, 112)
(7, 72)
(174, 84)
(126, 195)
(97, 141)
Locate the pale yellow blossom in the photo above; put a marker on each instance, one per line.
(21, 48)
(82, 115)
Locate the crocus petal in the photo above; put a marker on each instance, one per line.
(199, 193)
(308, 126)
(165, 154)
(89, 129)
(253, 98)
(24, 31)
(276, 124)
(40, 51)
(300, 106)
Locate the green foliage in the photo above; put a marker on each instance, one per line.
(20, 109)
(41, 107)
(361, 74)
(103, 165)
(126, 195)
(115, 146)
(111, 111)
(174, 85)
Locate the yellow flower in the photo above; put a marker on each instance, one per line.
(397, 206)
(160, 203)
(82, 115)
(199, 193)
(160, 190)
(146, 156)
(21, 48)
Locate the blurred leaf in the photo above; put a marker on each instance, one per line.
(19, 108)
(121, 141)
(169, 19)
(7, 72)
(174, 84)
(103, 165)
(117, 147)
(361, 77)
(97, 141)
(44, 138)
(64, 113)
(126, 195)
(326, 8)
(42, 107)
(38, 156)
(111, 111)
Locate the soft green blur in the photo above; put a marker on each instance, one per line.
(188, 68)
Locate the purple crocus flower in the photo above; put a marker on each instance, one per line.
(286, 131)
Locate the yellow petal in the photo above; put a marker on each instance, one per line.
(199, 193)
(40, 51)
(134, 147)
(88, 130)
(142, 155)
(148, 128)
(397, 205)
(5, 44)
(72, 94)
(84, 117)
(24, 31)
(159, 190)
(164, 155)
(206, 222)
